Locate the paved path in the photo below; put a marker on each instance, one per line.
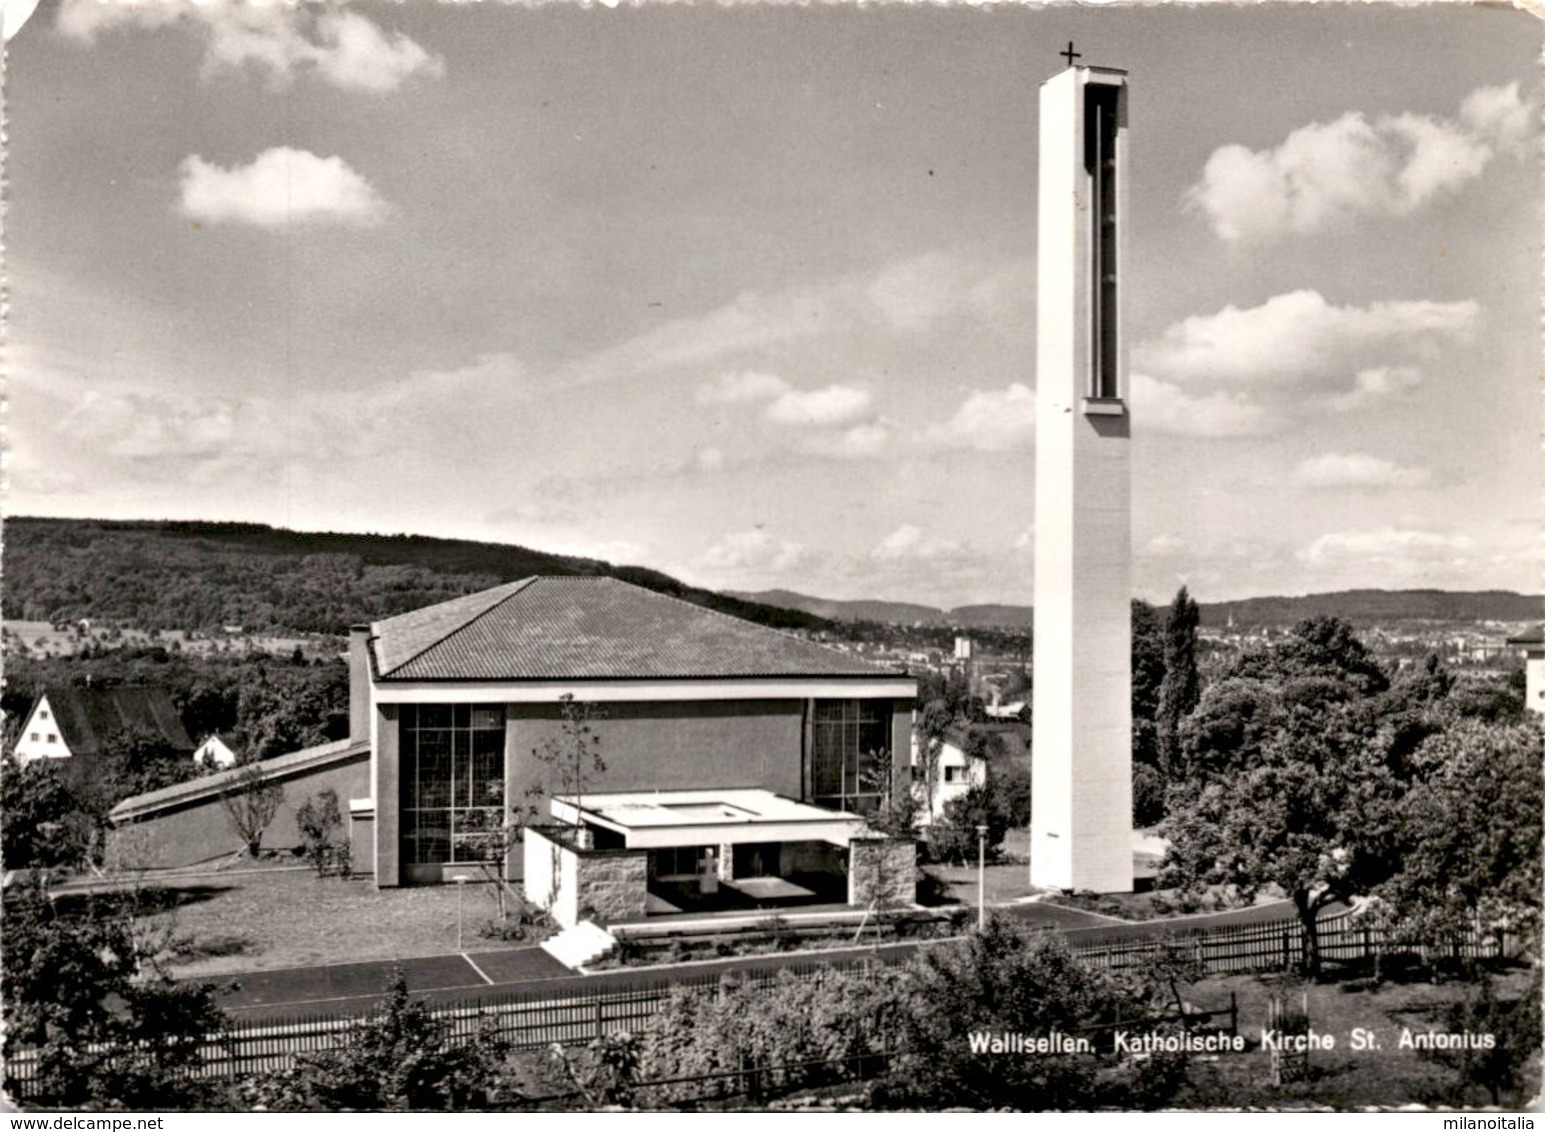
(529, 973)
(354, 988)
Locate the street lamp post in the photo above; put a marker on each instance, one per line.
(461, 889)
(981, 877)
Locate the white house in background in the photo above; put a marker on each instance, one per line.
(79, 723)
(957, 770)
(954, 774)
(216, 751)
(40, 737)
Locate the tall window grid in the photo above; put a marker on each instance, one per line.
(850, 752)
(453, 783)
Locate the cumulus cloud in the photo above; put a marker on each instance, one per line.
(1376, 384)
(1388, 551)
(740, 386)
(1162, 407)
(145, 425)
(753, 550)
(282, 186)
(990, 420)
(833, 405)
(1356, 470)
(860, 442)
(1327, 174)
(908, 541)
(153, 436)
(1299, 338)
(279, 40)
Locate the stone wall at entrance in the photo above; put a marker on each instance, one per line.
(604, 885)
(882, 871)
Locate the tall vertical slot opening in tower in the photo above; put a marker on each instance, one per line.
(1101, 121)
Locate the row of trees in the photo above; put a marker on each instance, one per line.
(274, 705)
(1308, 768)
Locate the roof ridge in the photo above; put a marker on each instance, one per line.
(741, 622)
(515, 587)
(563, 626)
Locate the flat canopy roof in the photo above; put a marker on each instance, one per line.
(658, 819)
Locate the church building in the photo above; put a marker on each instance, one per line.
(726, 745)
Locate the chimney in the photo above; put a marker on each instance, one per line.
(359, 683)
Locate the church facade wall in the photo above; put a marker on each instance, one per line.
(201, 829)
(650, 745)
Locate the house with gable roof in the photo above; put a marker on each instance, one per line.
(730, 749)
(75, 724)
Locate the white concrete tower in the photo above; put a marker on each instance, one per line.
(1081, 821)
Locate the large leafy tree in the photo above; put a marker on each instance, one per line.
(1291, 779)
(106, 1025)
(138, 761)
(1472, 830)
(1148, 641)
(954, 838)
(45, 826)
(286, 708)
(1310, 813)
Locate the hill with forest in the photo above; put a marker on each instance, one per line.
(896, 612)
(1370, 607)
(203, 575)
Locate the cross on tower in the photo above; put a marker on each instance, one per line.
(1070, 54)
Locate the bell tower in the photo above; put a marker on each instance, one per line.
(1081, 816)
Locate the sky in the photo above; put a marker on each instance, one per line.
(747, 294)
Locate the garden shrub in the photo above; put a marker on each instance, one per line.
(400, 1059)
(320, 822)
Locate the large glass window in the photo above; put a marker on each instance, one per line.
(850, 754)
(452, 783)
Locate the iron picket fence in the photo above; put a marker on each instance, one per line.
(1276, 945)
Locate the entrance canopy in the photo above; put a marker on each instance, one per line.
(660, 819)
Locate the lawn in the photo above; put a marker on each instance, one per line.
(1003, 882)
(268, 919)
